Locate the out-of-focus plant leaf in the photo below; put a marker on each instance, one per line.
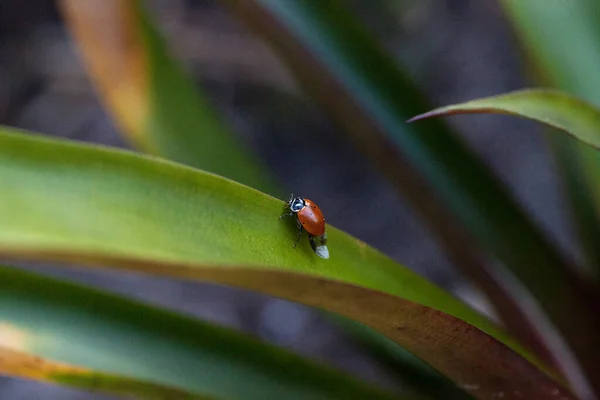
(148, 94)
(340, 64)
(568, 62)
(132, 341)
(558, 110)
(555, 109)
(71, 202)
(22, 365)
(552, 107)
(410, 369)
(572, 159)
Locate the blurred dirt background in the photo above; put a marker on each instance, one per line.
(454, 49)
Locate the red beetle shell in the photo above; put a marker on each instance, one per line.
(311, 218)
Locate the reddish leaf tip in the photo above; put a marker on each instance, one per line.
(422, 116)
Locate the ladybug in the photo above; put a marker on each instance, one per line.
(309, 218)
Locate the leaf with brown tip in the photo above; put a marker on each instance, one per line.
(23, 365)
(148, 94)
(120, 345)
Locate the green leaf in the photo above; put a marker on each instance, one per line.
(190, 143)
(568, 62)
(132, 341)
(566, 113)
(551, 107)
(333, 58)
(559, 110)
(149, 96)
(79, 203)
(556, 109)
(406, 367)
(360, 85)
(576, 165)
(23, 365)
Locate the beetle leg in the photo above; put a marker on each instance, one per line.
(323, 239)
(297, 238)
(299, 233)
(285, 215)
(313, 244)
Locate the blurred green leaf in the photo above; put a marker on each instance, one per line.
(23, 365)
(149, 96)
(572, 159)
(406, 367)
(82, 326)
(338, 62)
(568, 62)
(561, 111)
(561, 41)
(79, 203)
(554, 108)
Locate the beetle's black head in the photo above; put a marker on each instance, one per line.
(296, 204)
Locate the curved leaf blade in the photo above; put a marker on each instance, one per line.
(114, 208)
(341, 65)
(22, 365)
(567, 62)
(580, 120)
(149, 96)
(408, 369)
(84, 25)
(554, 108)
(87, 327)
(551, 107)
